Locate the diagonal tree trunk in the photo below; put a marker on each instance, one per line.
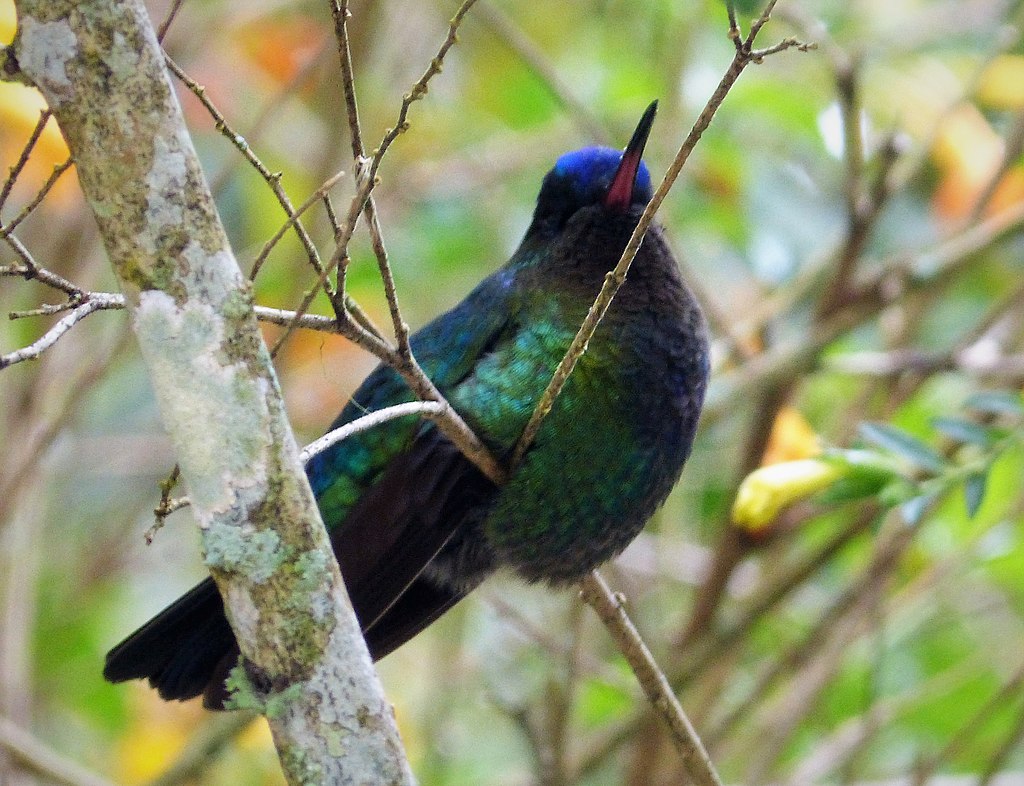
(102, 72)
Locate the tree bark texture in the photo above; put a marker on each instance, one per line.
(102, 72)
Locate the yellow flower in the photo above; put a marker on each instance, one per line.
(766, 491)
(8, 21)
(1002, 84)
(792, 438)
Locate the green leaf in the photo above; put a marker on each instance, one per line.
(851, 488)
(996, 402)
(902, 444)
(974, 492)
(868, 463)
(866, 473)
(964, 431)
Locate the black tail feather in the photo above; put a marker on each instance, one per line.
(179, 648)
(189, 648)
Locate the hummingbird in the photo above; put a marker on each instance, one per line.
(415, 526)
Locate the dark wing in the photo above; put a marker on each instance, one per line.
(422, 603)
(400, 524)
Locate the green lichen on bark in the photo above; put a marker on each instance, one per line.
(298, 762)
(256, 554)
(306, 624)
(243, 695)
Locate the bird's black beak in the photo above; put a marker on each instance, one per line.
(620, 192)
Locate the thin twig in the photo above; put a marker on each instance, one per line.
(366, 169)
(114, 301)
(284, 91)
(608, 608)
(26, 151)
(31, 271)
(399, 357)
(734, 26)
(26, 211)
(291, 221)
(36, 757)
(704, 652)
(46, 309)
(167, 504)
(426, 409)
(168, 20)
(272, 179)
(401, 329)
(758, 55)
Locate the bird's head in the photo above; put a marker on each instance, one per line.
(614, 179)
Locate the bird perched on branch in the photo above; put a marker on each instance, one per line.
(415, 526)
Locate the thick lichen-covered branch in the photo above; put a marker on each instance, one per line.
(101, 70)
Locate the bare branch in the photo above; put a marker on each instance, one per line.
(366, 169)
(172, 14)
(293, 219)
(427, 409)
(734, 26)
(609, 608)
(273, 179)
(758, 55)
(40, 759)
(45, 310)
(26, 211)
(26, 151)
(32, 271)
(92, 304)
(400, 358)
